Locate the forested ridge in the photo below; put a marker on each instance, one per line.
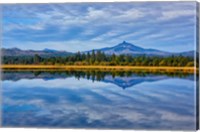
(99, 58)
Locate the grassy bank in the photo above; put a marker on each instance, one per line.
(88, 67)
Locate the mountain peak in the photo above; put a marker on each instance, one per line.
(125, 45)
(124, 42)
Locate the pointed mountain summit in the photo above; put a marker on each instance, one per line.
(127, 46)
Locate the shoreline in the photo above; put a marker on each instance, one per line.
(93, 67)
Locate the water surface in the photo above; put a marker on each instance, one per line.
(98, 100)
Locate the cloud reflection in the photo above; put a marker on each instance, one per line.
(72, 103)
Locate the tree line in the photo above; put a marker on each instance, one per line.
(100, 58)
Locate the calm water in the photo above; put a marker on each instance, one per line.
(98, 100)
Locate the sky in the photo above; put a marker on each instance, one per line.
(167, 26)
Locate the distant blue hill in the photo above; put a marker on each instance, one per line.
(128, 48)
(49, 50)
(44, 53)
(122, 48)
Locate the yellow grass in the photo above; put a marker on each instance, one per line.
(68, 67)
(95, 67)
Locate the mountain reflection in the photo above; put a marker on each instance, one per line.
(123, 79)
(69, 100)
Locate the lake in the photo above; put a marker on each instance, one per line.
(96, 99)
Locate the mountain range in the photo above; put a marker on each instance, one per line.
(128, 48)
(122, 48)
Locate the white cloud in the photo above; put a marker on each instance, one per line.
(173, 14)
(82, 83)
(97, 24)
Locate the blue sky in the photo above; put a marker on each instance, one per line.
(168, 26)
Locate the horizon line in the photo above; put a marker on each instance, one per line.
(93, 49)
